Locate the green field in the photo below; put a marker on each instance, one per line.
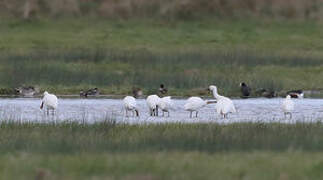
(64, 46)
(164, 165)
(161, 151)
(66, 55)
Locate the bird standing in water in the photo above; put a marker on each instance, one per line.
(50, 102)
(195, 104)
(288, 106)
(224, 105)
(130, 104)
(152, 103)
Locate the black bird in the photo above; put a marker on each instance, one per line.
(245, 90)
(162, 89)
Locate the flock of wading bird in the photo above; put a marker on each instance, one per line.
(224, 105)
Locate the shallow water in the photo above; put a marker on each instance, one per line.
(92, 110)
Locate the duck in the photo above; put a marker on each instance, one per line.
(245, 89)
(162, 90)
(50, 102)
(83, 94)
(296, 93)
(93, 92)
(27, 91)
(90, 92)
(266, 93)
(224, 105)
(136, 92)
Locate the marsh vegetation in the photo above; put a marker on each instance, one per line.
(120, 151)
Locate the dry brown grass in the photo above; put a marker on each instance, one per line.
(174, 9)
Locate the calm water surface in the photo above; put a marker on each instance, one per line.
(92, 110)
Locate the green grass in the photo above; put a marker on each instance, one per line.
(116, 72)
(109, 137)
(164, 165)
(288, 37)
(67, 55)
(161, 151)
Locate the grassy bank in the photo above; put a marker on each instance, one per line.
(287, 37)
(109, 137)
(161, 151)
(67, 55)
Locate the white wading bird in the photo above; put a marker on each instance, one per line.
(152, 103)
(195, 104)
(165, 104)
(224, 105)
(49, 101)
(288, 106)
(130, 104)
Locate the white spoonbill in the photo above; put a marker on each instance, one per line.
(195, 104)
(49, 101)
(165, 104)
(130, 104)
(288, 106)
(224, 105)
(152, 102)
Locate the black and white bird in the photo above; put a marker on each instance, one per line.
(296, 93)
(162, 90)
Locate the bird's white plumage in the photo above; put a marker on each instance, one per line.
(50, 101)
(129, 103)
(224, 104)
(301, 95)
(194, 104)
(152, 103)
(165, 103)
(288, 104)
